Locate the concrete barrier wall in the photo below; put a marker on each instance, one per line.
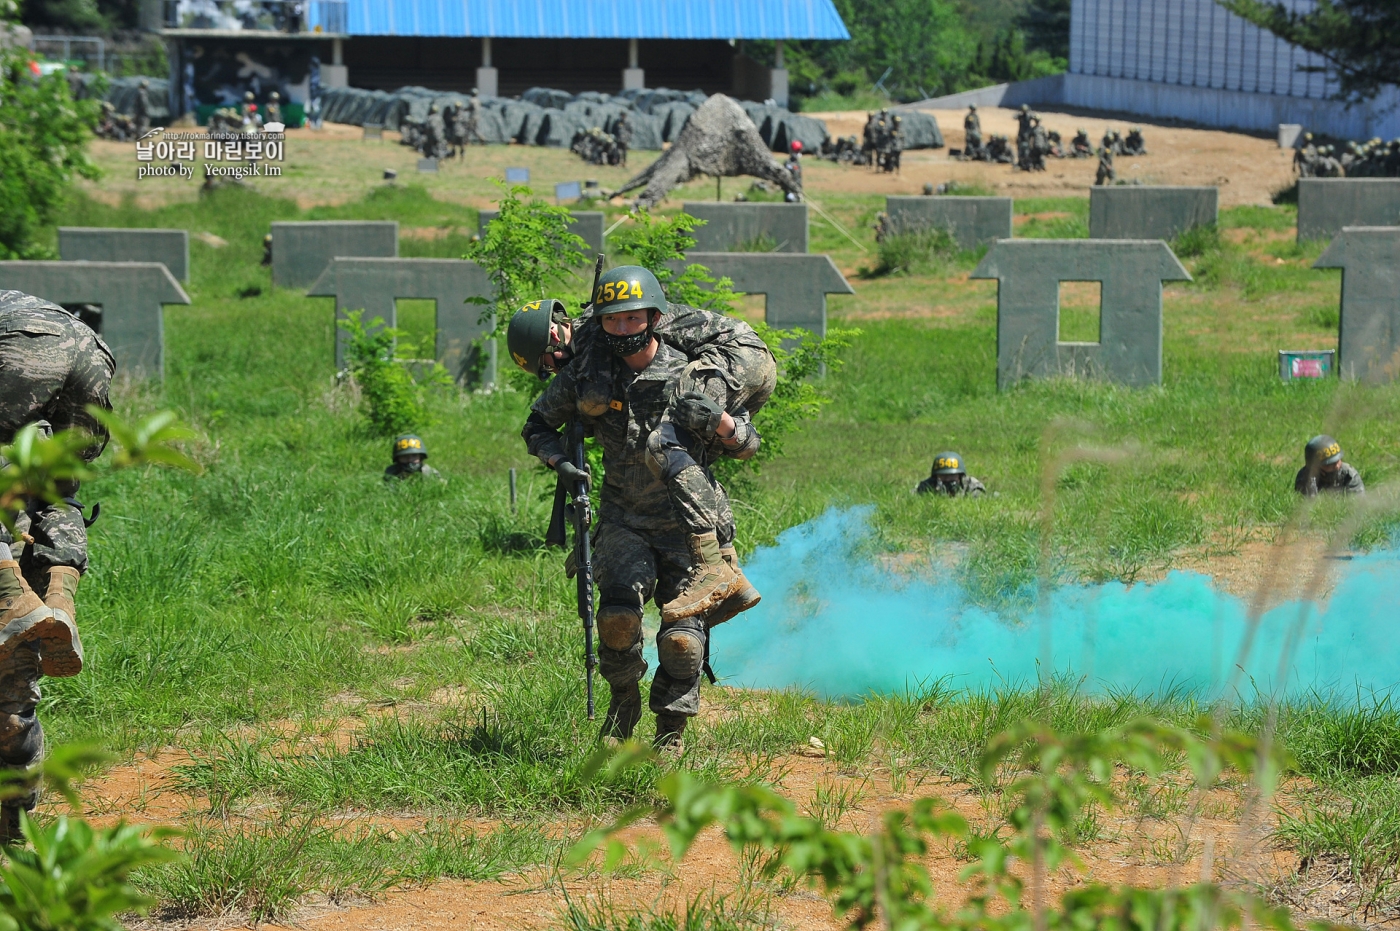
(728, 226)
(1029, 272)
(972, 220)
(796, 286)
(1369, 339)
(129, 293)
(96, 244)
(1325, 205)
(301, 251)
(1149, 211)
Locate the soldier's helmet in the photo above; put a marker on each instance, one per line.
(972, 107)
(409, 444)
(1322, 450)
(433, 108)
(899, 119)
(1025, 108)
(797, 144)
(628, 287)
(948, 463)
(527, 336)
(274, 96)
(928, 188)
(474, 92)
(144, 83)
(248, 96)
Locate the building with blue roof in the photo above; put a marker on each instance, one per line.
(220, 49)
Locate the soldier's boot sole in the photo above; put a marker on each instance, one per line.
(60, 647)
(711, 581)
(743, 596)
(23, 614)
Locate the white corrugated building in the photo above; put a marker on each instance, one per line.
(1191, 60)
(1194, 60)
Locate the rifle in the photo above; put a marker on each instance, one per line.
(580, 513)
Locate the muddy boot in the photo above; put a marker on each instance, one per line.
(60, 650)
(711, 580)
(742, 597)
(23, 616)
(10, 833)
(669, 731)
(624, 711)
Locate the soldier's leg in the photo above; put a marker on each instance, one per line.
(680, 647)
(626, 573)
(21, 735)
(53, 563)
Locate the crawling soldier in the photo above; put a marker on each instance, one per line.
(950, 478)
(1324, 470)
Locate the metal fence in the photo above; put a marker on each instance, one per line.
(287, 16)
(1192, 43)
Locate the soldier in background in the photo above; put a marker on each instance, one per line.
(972, 131)
(1038, 147)
(410, 459)
(272, 110)
(1135, 144)
(252, 122)
(1023, 125)
(794, 161)
(141, 109)
(452, 124)
(949, 477)
(52, 368)
(1324, 470)
(1080, 146)
(1106, 175)
(267, 251)
(473, 128)
(622, 137)
(894, 146)
(433, 142)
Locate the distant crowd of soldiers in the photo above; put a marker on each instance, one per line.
(1370, 159)
(880, 146)
(446, 131)
(597, 147)
(247, 117)
(1035, 143)
(123, 127)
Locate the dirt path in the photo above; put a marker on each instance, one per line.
(1246, 168)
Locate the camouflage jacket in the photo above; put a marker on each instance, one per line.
(969, 487)
(71, 344)
(1346, 480)
(400, 470)
(620, 409)
(697, 334)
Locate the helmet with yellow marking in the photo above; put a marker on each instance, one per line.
(628, 287)
(528, 337)
(948, 463)
(409, 444)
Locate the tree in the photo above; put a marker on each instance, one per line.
(1359, 39)
(1046, 25)
(43, 144)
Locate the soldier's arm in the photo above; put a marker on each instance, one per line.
(744, 442)
(549, 412)
(1354, 485)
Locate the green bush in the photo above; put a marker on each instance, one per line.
(914, 252)
(391, 399)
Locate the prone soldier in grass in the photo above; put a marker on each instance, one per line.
(665, 530)
(52, 368)
(1324, 471)
(410, 459)
(949, 477)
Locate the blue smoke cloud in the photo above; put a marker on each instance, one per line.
(833, 622)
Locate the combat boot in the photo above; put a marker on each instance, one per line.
(670, 729)
(711, 580)
(624, 711)
(25, 617)
(60, 650)
(742, 596)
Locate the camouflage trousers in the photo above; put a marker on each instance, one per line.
(21, 734)
(60, 539)
(632, 567)
(740, 379)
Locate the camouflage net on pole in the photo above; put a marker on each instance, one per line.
(720, 141)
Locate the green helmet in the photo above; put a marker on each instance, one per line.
(527, 337)
(628, 287)
(409, 444)
(948, 463)
(1322, 450)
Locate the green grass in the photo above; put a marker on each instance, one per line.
(289, 590)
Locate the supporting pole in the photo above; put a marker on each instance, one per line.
(631, 53)
(337, 51)
(778, 53)
(718, 181)
(485, 51)
(512, 491)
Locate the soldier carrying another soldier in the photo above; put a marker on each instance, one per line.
(52, 368)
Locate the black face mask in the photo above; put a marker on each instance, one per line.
(411, 465)
(628, 345)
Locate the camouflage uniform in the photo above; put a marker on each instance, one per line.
(639, 548)
(968, 486)
(402, 470)
(51, 367)
(1345, 480)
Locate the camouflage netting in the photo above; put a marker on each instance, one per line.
(719, 140)
(544, 116)
(920, 130)
(121, 93)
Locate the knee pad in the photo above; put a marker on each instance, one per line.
(664, 459)
(619, 618)
(681, 651)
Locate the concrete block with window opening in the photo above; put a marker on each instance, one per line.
(1028, 274)
(129, 293)
(972, 220)
(731, 226)
(796, 286)
(373, 285)
(1150, 211)
(301, 251)
(1326, 205)
(96, 244)
(589, 227)
(1368, 343)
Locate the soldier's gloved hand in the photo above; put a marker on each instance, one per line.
(572, 473)
(697, 413)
